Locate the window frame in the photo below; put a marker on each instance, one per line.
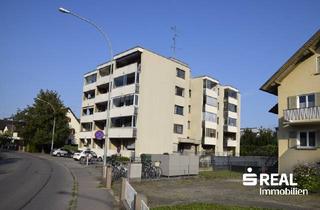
(307, 139)
(181, 89)
(178, 107)
(175, 128)
(182, 75)
(307, 100)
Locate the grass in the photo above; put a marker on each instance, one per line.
(220, 174)
(205, 206)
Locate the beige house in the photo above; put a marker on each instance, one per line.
(297, 85)
(156, 107)
(74, 125)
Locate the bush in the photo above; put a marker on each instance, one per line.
(308, 177)
(72, 148)
(122, 159)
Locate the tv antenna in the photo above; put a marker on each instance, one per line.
(174, 40)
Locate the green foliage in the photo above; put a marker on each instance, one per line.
(71, 148)
(205, 206)
(220, 174)
(308, 177)
(122, 159)
(262, 144)
(38, 122)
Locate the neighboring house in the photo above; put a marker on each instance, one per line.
(74, 125)
(8, 127)
(297, 85)
(156, 107)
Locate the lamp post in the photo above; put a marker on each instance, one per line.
(54, 122)
(113, 66)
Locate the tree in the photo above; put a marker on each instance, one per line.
(263, 143)
(38, 122)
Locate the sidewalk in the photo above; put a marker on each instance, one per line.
(88, 191)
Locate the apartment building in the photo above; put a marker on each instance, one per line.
(297, 86)
(156, 107)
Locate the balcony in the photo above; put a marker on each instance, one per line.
(210, 92)
(231, 142)
(302, 115)
(100, 115)
(90, 86)
(124, 132)
(124, 90)
(123, 111)
(232, 100)
(229, 128)
(85, 134)
(209, 124)
(101, 98)
(87, 118)
(126, 70)
(209, 141)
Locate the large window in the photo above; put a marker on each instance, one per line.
(232, 122)
(124, 80)
(89, 94)
(307, 139)
(230, 93)
(119, 122)
(177, 128)
(179, 91)
(123, 101)
(181, 73)
(306, 101)
(210, 101)
(211, 117)
(210, 133)
(91, 79)
(178, 109)
(230, 107)
(209, 84)
(86, 127)
(87, 111)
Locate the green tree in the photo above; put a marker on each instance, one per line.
(38, 122)
(263, 143)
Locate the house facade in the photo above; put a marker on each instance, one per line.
(297, 86)
(156, 107)
(74, 126)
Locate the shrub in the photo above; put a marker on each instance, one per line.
(122, 159)
(308, 177)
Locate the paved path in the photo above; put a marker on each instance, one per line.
(31, 182)
(35, 181)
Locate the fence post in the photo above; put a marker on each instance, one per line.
(108, 177)
(123, 189)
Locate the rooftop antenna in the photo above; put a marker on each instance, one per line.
(174, 40)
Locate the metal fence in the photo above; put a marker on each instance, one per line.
(144, 206)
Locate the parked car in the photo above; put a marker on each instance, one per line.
(60, 152)
(84, 153)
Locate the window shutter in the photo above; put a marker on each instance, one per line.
(292, 102)
(293, 139)
(317, 99)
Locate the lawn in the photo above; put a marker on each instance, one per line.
(220, 174)
(204, 206)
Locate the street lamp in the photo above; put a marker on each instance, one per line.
(54, 122)
(109, 46)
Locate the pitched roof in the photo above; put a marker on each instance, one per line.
(307, 50)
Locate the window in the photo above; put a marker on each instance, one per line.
(230, 93)
(87, 111)
(190, 93)
(89, 94)
(210, 133)
(189, 108)
(124, 80)
(211, 117)
(178, 110)
(86, 127)
(209, 84)
(211, 101)
(232, 122)
(230, 107)
(181, 73)
(318, 65)
(307, 139)
(177, 128)
(123, 101)
(179, 91)
(91, 79)
(189, 124)
(306, 100)
(105, 71)
(119, 122)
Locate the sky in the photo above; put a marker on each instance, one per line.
(240, 43)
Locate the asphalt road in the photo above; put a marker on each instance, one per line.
(31, 182)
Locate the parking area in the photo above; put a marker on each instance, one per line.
(220, 187)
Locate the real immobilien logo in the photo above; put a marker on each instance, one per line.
(267, 181)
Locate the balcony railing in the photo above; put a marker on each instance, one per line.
(308, 113)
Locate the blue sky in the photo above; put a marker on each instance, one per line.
(241, 43)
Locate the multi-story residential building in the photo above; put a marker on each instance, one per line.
(156, 107)
(297, 85)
